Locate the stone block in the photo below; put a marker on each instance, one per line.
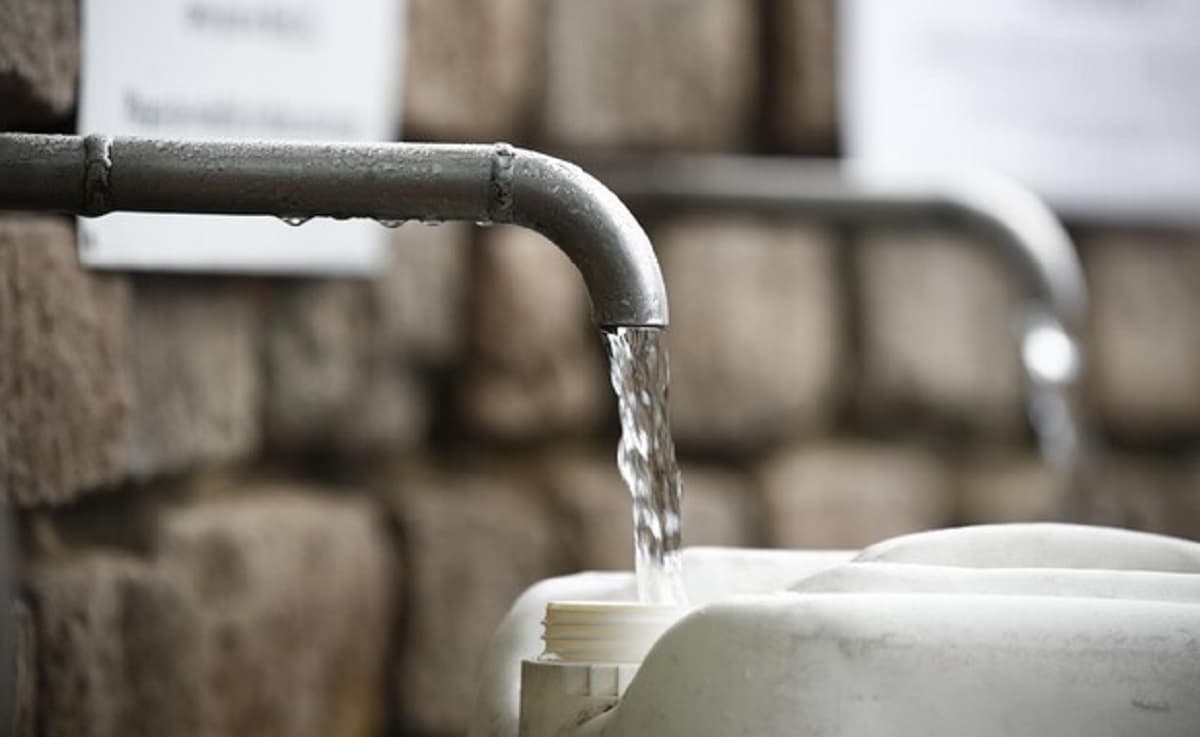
(938, 340)
(756, 330)
(420, 303)
(316, 335)
(39, 61)
(852, 494)
(1185, 514)
(291, 595)
(269, 613)
(720, 507)
(474, 68)
(1008, 487)
(536, 365)
(115, 649)
(1140, 491)
(25, 686)
(596, 511)
(344, 359)
(64, 383)
(332, 382)
(473, 540)
(1145, 341)
(681, 74)
(802, 108)
(194, 357)
(593, 507)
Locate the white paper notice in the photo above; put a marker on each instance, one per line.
(1095, 104)
(239, 69)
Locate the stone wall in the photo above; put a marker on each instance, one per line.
(290, 507)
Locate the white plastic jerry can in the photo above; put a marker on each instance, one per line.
(988, 631)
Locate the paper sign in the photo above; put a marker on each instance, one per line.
(238, 69)
(1094, 104)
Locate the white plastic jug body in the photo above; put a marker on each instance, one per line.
(989, 631)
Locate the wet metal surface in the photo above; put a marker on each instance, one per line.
(389, 182)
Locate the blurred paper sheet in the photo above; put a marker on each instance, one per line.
(279, 69)
(1095, 104)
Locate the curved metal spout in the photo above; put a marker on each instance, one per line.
(1009, 217)
(94, 175)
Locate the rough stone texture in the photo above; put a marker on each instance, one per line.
(803, 105)
(473, 68)
(679, 74)
(25, 701)
(291, 596)
(595, 508)
(193, 348)
(64, 384)
(756, 330)
(332, 381)
(39, 60)
(852, 494)
(115, 646)
(938, 341)
(1147, 492)
(1008, 487)
(1140, 492)
(315, 336)
(343, 358)
(264, 614)
(421, 301)
(720, 507)
(1145, 378)
(536, 366)
(473, 541)
(1185, 512)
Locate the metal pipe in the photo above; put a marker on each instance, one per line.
(94, 175)
(1008, 216)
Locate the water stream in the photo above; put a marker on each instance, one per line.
(640, 371)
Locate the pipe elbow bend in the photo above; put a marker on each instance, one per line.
(591, 225)
(1040, 244)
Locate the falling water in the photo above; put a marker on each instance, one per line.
(1052, 361)
(646, 456)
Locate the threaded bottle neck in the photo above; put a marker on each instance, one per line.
(604, 632)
